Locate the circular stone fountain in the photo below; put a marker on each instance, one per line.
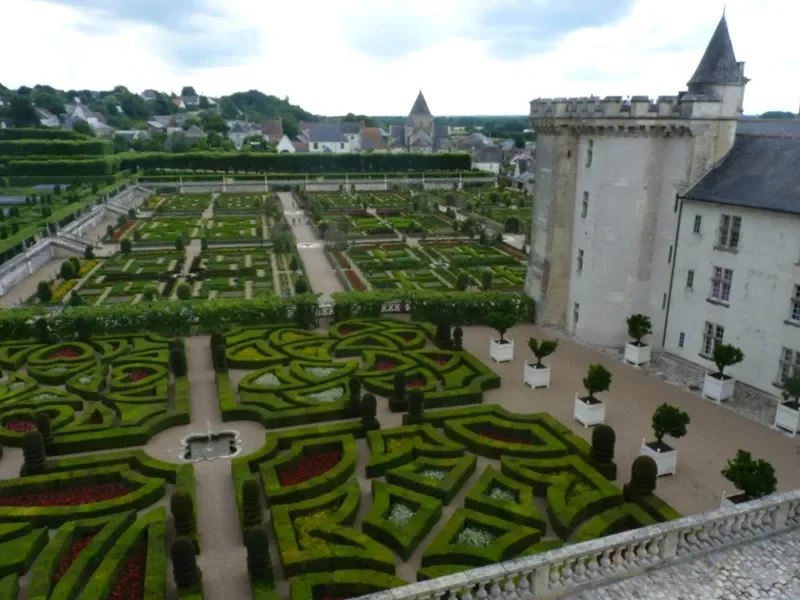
(197, 447)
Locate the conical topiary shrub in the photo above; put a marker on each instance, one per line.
(217, 339)
(44, 427)
(458, 338)
(416, 408)
(369, 408)
(252, 514)
(644, 473)
(602, 454)
(184, 563)
(355, 393)
(258, 563)
(399, 398)
(182, 508)
(33, 454)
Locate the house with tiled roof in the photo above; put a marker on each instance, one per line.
(327, 137)
(272, 129)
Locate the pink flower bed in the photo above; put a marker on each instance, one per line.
(19, 425)
(64, 353)
(138, 375)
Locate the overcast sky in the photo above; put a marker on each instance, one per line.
(372, 56)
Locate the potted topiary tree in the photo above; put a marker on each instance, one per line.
(538, 374)
(588, 409)
(638, 353)
(667, 420)
(501, 350)
(788, 415)
(753, 478)
(718, 386)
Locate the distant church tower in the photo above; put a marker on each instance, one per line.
(605, 213)
(419, 130)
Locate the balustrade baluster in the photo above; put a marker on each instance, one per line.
(524, 586)
(555, 576)
(509, 589)
(605, 560)
(467, 593)
(496, 591)
(481, 593)
(592, 566)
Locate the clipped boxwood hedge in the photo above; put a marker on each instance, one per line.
(415, 441)
(458, 471)
(347, 583)
(522, 512)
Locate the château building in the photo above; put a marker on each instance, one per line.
(661, 208)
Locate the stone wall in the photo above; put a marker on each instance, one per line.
(24, 265)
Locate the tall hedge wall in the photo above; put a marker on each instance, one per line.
(25, 133)
(66, 168)
(22, 148)
(298, 163)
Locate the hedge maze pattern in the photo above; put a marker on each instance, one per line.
(109, 392)
(287, 376)
(462, 487)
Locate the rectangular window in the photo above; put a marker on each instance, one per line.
(729, 232)
(690, 279)
(585, 205)
(789, 364)
(342, 145)
(698, 220)
(681, 339)
(316, 145)
(721, 284)
(669, 256)
(589, 152)
(795, 314)
(663, 301)
(580, 260)
(712, 337)
(576, 313)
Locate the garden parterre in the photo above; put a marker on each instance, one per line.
(238, 203)
(167, 230)
(185, 203)
(528, 483)
(233, 229)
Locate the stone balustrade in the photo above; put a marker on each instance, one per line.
(578, 567)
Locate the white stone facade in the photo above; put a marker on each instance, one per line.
(334, 147)
(757, 315)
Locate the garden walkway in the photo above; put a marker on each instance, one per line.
(320, 273)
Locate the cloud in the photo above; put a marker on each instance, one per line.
(194, 33)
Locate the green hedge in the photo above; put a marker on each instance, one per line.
(458, 471)
(463, 308)
(522, 512)
(347, 583)
(23, 148)
(402, 539)
(422, 440)
(17, 555)
(614, 520)
(540, 442)
(65, 167)
(44, 133)
(298, 163)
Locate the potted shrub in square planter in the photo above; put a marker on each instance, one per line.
(637, 353)
(753, 478)
(588, 409)
(667, 420)
(501, 350)
(538, 374)
(788, 415)
(718, 386)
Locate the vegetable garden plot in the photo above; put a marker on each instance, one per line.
(238, 203)
(233, 229)
(186, 203)
(167, 230)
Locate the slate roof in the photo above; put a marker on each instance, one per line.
(718, 65)
(759, 172)
(349, 127)
(398, 134)
(420, 106)
(194, 132)
(769, 127)
(488, 154)
(325, 133)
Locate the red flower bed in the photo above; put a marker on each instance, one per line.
(70, 556)
(64, 353)
(385, 365)
(407, 336)
(341, 260)
(312, 465)
(19, 425)
(130, 582)
(74, 496)
(415, 383)
(354, 279)
(138, 375)
(121, 231)
(502, 437)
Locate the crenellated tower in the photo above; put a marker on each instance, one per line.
(608, 172)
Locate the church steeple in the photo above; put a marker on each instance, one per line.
(718, 65)
(420, 106)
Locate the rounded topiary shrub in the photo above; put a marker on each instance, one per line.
(177, 361)
(184, 563)
(182, 508)
(458, 338)
(183, 291)
(44, 427)
(33, 454)
(217, 339)
(252, 514)
(416, 407)
(218, 358)
(355, 391)
(604, 439)
(67, 270)
(644, 473)
(150, 292)
(369, 408)
(258, 563)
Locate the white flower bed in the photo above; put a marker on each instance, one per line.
(57, 370)
(435, 474)
(501, 493)
(399, 514)
(331, 395)
(268, 380)
(45, 396)
(320, 372)
(475, 536)
(17, 385)
(85, 380)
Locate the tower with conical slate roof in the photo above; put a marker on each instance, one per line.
(420, 131)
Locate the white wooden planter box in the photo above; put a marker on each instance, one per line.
(788, 419)
(637, 355)
(537, 378)
(718, 389)
(667, 462)
(502, 352)
(589, 414)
